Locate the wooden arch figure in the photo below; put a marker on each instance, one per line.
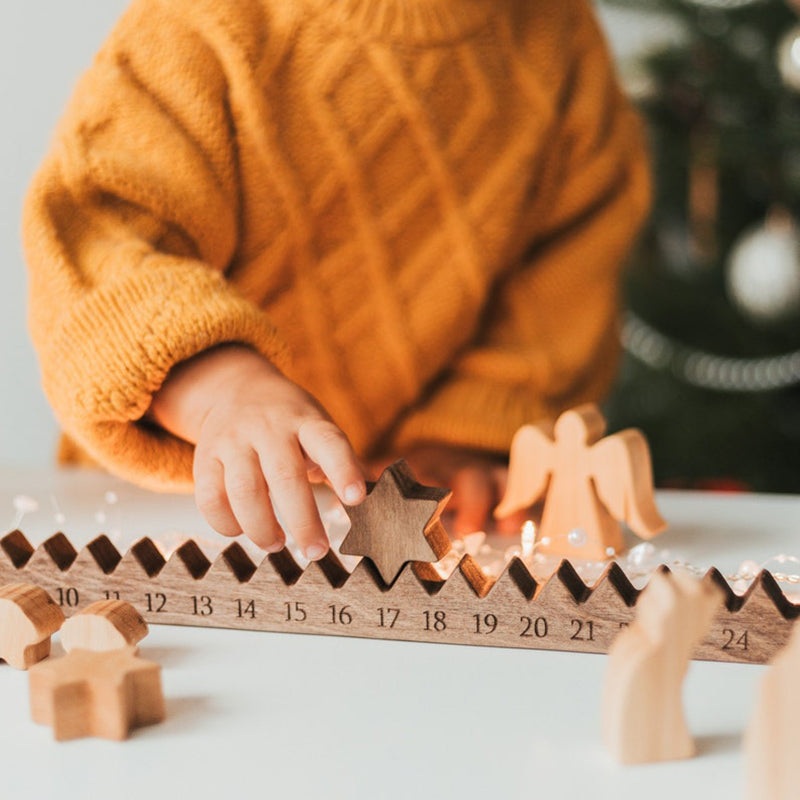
(643, 719)
(771, 740)
(28, 618)
(104, 625)
(589, 484)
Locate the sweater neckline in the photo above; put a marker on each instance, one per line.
(411, 21)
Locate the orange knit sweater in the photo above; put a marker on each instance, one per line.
(416, 208)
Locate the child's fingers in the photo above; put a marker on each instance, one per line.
(328, 447)
(287, 479)
(474, 490)
(500, 475)
(210, 495)
(513, 523)
(250, 501)
(315, 474)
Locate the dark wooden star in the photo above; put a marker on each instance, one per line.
(398, 522)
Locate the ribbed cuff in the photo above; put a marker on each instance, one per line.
(113, 352)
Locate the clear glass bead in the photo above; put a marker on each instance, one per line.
(577, 537)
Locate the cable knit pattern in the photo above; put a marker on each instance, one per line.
(416, 208)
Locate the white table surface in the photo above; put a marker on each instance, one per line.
(284, 715)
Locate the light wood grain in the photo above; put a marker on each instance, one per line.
(104, 625)
(643, 719)
(562, 613)
(589, 484)
(28, 618)
(102, 694)
(771, 740)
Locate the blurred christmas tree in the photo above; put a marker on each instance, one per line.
(712, 367)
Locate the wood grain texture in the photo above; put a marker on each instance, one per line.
(28, 618)
(513, 610)
(589, 484)
(772, 736)
(397, 522)
(103, 625)
(643, 718)
(102, 694)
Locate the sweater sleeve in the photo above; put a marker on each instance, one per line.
(129, 227)
(549, 337)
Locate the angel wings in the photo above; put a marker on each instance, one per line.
(589, 484)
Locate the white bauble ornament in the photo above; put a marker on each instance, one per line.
(789, 57)
(763, 277)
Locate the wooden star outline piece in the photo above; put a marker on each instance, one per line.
(89, 693)
(398, 522)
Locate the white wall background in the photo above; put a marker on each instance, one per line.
(44, 46)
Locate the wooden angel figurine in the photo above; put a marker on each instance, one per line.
(589, 484)
(643, 719)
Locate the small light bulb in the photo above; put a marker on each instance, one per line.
(528, 537)
(24, 504)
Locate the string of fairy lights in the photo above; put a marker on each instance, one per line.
(706, 370)
(637, 563)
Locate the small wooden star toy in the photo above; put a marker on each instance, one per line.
(589, 484)
(104, 625)
(28, 618)
(103, 694)
(398, 522)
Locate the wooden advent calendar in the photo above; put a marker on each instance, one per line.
(467, 608)
(396, 592)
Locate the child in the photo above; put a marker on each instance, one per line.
(268, 229)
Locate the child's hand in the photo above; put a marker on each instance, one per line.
(259, 439)
(478, 481)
